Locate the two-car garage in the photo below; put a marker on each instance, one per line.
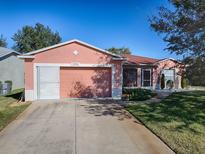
(73, 82)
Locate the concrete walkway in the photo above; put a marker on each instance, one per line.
(82, 127)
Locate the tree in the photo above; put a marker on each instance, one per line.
(33, 38)
(195, 71)
(183, 28)
(119, 51)
(3, 42)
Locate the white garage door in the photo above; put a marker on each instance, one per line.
(48, 82)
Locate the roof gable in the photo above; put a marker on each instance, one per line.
(69, 42)
(6, 51)
(167, 59)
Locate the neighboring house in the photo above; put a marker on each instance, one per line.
(11, 68)
(75, 69)
(147, 72)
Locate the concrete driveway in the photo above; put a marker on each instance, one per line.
(82, 127)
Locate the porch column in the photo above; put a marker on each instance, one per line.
(139, 78)
(155, 79)
(117, 81)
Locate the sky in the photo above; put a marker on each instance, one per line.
(102, 23)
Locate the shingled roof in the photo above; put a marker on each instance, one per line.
(139, 59)
(6, 51)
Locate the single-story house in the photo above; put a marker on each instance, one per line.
(76, 69)
(11, 68)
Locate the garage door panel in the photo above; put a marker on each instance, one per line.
(48, 83)
(49, 74)
(85, 82)
(49, 91)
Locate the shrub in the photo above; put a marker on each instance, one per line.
(9, 81)
(162, 81)
(1, 87)
(170, 84)
(10, 84)
(184, 82)
(138, 94)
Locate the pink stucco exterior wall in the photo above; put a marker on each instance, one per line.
(64, 54)
(85, 82)
(117, 75)
(28, 66)
(168, 64)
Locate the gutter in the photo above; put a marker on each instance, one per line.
(26, 57)
(119, 58)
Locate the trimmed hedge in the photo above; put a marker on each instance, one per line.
(138, 94)
(162, 81)
(184, 82)
(9, 82)
(0, 87)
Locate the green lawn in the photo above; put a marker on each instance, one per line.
(178, 119)
(8, 109)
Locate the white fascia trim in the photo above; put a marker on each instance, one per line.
(72, 65)
(68, 42)
(151, 64)
(119, 58)
(25, 56)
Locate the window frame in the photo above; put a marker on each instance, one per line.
(135, 78)
(150, 80)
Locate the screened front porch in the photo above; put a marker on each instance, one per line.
(137, 77)
(148, 77)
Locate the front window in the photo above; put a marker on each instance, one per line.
(146, 77)
(130, 77)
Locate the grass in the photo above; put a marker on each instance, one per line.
(9, 112)
(179, 120)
